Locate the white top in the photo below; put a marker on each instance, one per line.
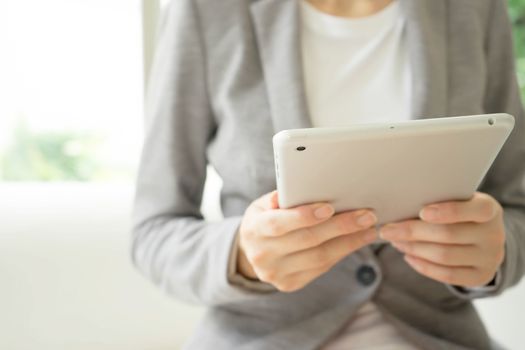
(357, 71)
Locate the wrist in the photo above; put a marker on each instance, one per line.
(243, 265)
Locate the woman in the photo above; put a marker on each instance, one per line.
(228, 75)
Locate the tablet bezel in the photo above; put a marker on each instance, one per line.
(433, 134)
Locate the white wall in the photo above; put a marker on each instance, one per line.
(66, 277)
(67, 281)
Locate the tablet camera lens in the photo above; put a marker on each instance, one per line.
(491, 121)
(301, 148)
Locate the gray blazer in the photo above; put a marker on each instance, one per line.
(227, 75)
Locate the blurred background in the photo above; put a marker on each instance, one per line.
(72, 83)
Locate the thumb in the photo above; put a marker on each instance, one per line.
(274, 200)
(267, 201)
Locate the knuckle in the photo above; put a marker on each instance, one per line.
(322, 256)
(286, 286)
(446, 233)
(410, 228)
(281, 287)
(483, 196)
(358, 241)
(246, 229)
(484, 277)
(499, 239)
(304, 213)
(486, 209)
(478, 194)
(354, 242)
(250, 212)
(245, 238)
(310, 238)
(325, 268)
(452, 210)
(251, 236)
(450, 275)
(442, 254)
(258, 258)
(268, 275)
(272, 225)
(346, 223)
(500, 257)
(247, 233)
(342, 223)
(423, 268)
(408, 248)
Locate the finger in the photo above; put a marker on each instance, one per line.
(280, 221)
(267, 201)
(480, 208)
(329, 252)
(274, 200)
(421, 231)
(313, 236)
(298, 280)
(459, 276)
(442, 254)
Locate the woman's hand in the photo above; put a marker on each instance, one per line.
(459, 243)
(289, 248)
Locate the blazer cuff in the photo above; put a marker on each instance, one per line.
(236, 279)
(511, 270)
(488, 290)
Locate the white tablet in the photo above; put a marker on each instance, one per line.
(393, 168)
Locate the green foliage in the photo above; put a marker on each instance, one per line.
(71, 156)
(53, 156)
(517, 15)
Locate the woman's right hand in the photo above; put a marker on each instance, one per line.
(289, 248)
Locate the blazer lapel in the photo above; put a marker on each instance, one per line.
(426, 26)
(277, 30)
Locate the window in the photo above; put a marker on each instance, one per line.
(72, 85)
(72, 90)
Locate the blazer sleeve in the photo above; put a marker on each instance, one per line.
(172, 244)
(505, 180)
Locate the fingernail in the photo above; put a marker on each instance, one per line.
(391, 232)
(366, 219)
(429, 213)
(323, 212)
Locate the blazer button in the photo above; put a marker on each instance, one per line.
(366, 275)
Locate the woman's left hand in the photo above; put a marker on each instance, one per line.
(459, 242)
